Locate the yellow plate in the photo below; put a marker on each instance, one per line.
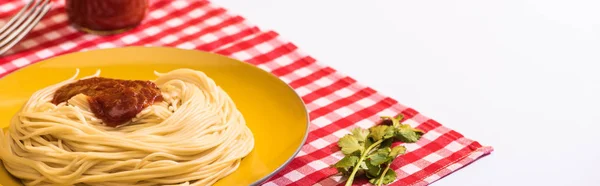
(273, 111)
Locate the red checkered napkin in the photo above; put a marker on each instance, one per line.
(336, 102)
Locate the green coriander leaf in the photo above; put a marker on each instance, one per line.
(386, 143)
(393, 121)
(367, 151)
(380, 156)
(396, 123)
(400, 117)
(345, 164)
(368, 143)
(360, 134)
(407, 134)
(377, 132)
(363, 165)
(389, 132)
(389, 177)
(373, 171)
(397, 150)
(349, 145)
(373, 181)
(381, 132)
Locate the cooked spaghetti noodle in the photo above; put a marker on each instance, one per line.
(194, 136)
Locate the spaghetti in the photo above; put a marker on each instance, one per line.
(194, 135)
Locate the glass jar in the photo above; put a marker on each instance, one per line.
(106, 17)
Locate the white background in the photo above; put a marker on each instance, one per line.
(518, 75)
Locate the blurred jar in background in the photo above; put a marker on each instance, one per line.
(106, 17)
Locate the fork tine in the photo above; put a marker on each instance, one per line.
(15, 17)
(22, 22)
(19, 19)
(27, 26)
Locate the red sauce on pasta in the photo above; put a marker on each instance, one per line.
(114, 101)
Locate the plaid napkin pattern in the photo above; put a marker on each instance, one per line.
(336, 103)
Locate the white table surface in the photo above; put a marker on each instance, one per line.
(519, 75)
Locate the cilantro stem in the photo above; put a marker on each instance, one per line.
(362, 158)
(380, 181)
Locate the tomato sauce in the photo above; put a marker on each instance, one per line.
(114, 101)
(106, 15)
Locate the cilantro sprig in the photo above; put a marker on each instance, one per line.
(369, 152)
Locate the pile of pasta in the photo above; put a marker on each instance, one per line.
(194, 136)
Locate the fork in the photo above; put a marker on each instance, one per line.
(21, 23)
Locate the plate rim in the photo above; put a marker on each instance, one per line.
(257, 182)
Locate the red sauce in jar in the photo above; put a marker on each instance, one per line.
(114, 101)
(106, 15)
